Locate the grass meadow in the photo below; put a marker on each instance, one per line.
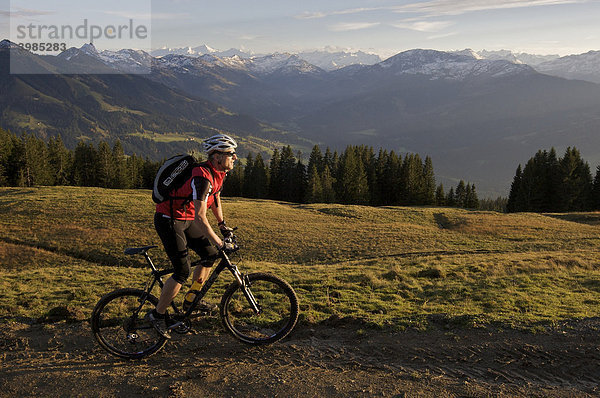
(61, 248)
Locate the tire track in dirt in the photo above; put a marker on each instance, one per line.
(509, 357)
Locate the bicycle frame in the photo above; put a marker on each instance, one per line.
(225, 263)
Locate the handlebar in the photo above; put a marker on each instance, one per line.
(231, 239)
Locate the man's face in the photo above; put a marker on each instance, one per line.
(226, 159)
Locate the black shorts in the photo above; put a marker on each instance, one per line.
(177, 237)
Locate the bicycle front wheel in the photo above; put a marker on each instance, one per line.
(278, 306)
(119, 326)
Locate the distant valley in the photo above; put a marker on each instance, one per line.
(478, 115)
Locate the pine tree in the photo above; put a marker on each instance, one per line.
(104, 166)
(513, 205)
(427, 195)
(553, 180)
(471, 200)
(451, 198)
(576, 182)
(596, 191)
(149, 171)
(84, 166)
(17, 163)
(549, 184)
(6, 148)
(461, 194)
(275, 176)
(327, 184)
(329, 160)
(391, 180)
(316, 159)
(36, 170)
(287, 174)
(119, 173)
(300, 181)
(134, 166)
(248, 187)
(235, 181)
(379, 169)
(474, 198)
(440, 197)
(537, 186)
(260, 177)
(352, 186)
(411, 182)
(60, 161)
(314, 191)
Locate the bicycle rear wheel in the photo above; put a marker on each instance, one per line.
(278, 314)
(119, 326)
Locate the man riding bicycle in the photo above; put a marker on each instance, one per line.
(182, 224)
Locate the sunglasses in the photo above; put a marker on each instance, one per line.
(230, 154)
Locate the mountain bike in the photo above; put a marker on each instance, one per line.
(257, 308)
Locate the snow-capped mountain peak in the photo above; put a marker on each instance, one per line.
(7, 44)
(582, 66)
(281, 62)
(332, 59)
(203, 50)
(89, 48)
(468, 53)
(198, 52)
(517, 58)
(448, 65)
(126, 60)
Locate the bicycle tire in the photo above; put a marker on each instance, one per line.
(279, 310)
(119, 326)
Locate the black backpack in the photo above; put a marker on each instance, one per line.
(173, 174)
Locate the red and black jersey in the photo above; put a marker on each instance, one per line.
(195, 189)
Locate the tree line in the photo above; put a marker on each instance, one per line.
(356, 176)
(28, 161)
(548, 183)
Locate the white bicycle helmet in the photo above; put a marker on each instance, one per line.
(219, 142)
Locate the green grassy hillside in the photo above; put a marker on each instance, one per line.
(61, 248)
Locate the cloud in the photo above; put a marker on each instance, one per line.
(346, 26)
(311, 15)
(441, 35)
(169, 16)
(250, 37)
(22, 12)
(458, 7)
(150, 15)
(127, 15)
(423, 26)
(319, 14)
(443, 7)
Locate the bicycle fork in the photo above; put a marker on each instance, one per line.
(244, 283)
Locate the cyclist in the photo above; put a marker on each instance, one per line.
(184, 224)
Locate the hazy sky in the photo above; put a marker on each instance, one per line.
(382, 26)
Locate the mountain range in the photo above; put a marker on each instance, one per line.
(477, 114)
(149, 118)
(328, 59)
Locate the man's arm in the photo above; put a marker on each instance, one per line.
(202, 220)
(217, 209)
(201, 190)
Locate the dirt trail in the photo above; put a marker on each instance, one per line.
(333, 360)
